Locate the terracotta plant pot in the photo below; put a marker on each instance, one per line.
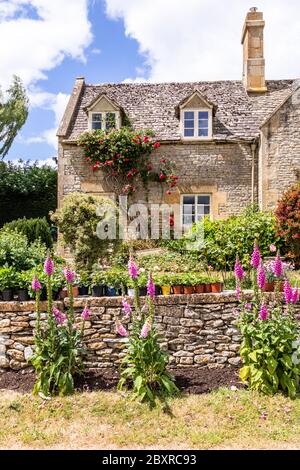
(63, 293)
(166, 290)
(188, 290)
(75, 291)
(207, 288)
(216, 287)
(177, 290)
(200, 289)
(270, 286)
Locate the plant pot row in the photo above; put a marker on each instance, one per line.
(8, 295)
(198, 289)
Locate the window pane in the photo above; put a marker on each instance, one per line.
(188, 199)
(110, 120)
(188, 132)
(203, 123)
(188, 219)
(203, 133)
(206, 210)
(203, 200)
(188, 209)
(97, 117)
(203, 115)
(189, 124)
(189, 115)
(96, 125)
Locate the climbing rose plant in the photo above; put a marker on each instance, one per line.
(145, 364)
(125, 155)
(270, 332)
(58, 350)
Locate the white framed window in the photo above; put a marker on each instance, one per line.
(194, 207)
(196, 123)
(103, 121)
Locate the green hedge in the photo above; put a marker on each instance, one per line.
(34, 229)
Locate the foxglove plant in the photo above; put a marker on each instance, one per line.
(58, 346)
(269, 334)
(145, 364)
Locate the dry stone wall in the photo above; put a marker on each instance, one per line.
(197, 330)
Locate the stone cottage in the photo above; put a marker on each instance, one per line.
(233, 142)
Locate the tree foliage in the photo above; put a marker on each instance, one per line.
(26, 190)
(34, 229)
(13, 114)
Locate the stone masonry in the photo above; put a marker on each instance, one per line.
(198, 330)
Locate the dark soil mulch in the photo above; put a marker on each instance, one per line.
(190, 380)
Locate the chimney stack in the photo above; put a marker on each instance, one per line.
(253, 52)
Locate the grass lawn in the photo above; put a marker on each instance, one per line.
(224, 419)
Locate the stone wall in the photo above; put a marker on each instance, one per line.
(279, 160)
(220, 169)
(198, 330)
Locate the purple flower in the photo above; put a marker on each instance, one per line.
(49, 266)
(295, 295)
(59, 317)
(126, 307)
(121, 330)
(272, 248)
(35, 284)
(69, 275)
(261, 277)
(132, 269)
(145, 329)
(288, 292)
(150, 287)
(238, 292)
(248, 306)
(85, 313)
(278, 268)
(263, 313)
(238, 270)
(256, 258)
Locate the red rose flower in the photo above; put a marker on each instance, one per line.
(162, 177)
(156, 145)
(146, 140)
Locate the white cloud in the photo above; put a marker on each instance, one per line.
(34, 45)
(200, 39)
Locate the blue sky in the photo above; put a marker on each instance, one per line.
(53, 41)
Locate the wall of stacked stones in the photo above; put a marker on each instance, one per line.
(197, 330)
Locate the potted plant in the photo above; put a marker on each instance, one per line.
(199, 282)
(271, 279)
(97, 283)
(187, 281)
(177, 284)
(7, 283)
(215, 284)
(142, 284)
(23, 280)
(59, 290)
(84, 283)
(164, 281)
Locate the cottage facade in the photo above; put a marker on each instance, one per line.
(233, 142)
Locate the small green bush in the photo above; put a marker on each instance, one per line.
(34, 229)
(16, 251)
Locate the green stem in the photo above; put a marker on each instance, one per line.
(38, 317)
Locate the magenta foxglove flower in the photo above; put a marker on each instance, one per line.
(150, 287)
(49, 266)
(238, 270)
(85, 313)
(273, 248)
(248, 306)
(126, 308)
(145, 329)
(278, 268)
(295, 295)
(59, 317)
(121, 330)
(35, 284)
(69, 275)
(256, 258)
(261, 277)
(132, 269)
(263, 313)
(238, 292)
(288, 292)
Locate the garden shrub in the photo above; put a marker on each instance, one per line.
(26, 190)
(226, 238)
(77, 221)
(288, 223)
(16, 251)
(270, 332)
(34, 229)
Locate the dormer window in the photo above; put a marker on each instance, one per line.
(103, 121)
(104, 114)
(196, 114)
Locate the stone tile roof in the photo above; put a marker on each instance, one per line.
(150, 105)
